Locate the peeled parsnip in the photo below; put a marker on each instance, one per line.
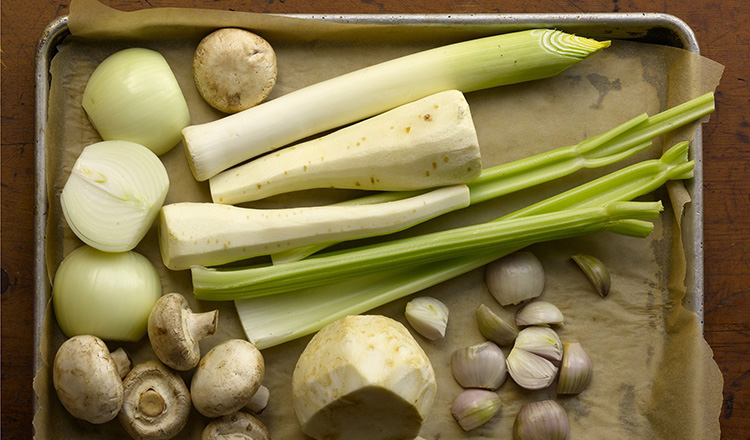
(426, 143)
(208, 234)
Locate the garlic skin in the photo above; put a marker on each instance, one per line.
(542, 341)
(595, 271)
(529, 370)
(576, 370)
(479, 366)
(542, 420)
(495, 328)
(475, 407)
(539, 313)
(428, 317)
(515, 278)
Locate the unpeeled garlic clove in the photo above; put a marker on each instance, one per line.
(515, 278)
(539, 313)
(475, 407)
(542, 341)
(479, 366)
(529, 370)
(542, 420)
(595, 271)
(576, 370)
(495, 328)
(428, 316)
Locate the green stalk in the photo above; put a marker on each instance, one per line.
(212, 284)
(275, 319)
(605, 149)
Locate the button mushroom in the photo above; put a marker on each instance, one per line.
(227, 378)
(234, 69)
(156, 402)
(237, 425)
(174, 331)
(88, 378)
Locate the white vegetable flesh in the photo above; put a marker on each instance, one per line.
(363, 377)
(113, 194)
(211, 234)
(427, 143)
(133, 96)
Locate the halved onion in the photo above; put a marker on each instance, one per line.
(134, 96)
(113, 194)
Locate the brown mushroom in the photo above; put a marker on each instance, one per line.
(227, 378)
(237, 425)
(174, 331)
(234, 69)
(156, 402)
(88, 378)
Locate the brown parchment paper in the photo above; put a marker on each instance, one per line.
(654, 373)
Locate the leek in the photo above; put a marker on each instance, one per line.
(605, 149)
(466, 66)
(212, 284)
(272, 320)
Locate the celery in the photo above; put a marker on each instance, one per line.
(275, 319)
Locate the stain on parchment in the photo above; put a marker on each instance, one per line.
(603, 86)
(627, 410)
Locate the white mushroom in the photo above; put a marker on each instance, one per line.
(234, 69)
(156, 402)
(227, 378)
(239, 425)
(174, 331)
(88, 378)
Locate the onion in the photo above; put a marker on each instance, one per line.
(515, 278)
(108, 295)
(134, 96)
(113, 194)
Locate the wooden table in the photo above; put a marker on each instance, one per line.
(722, 29)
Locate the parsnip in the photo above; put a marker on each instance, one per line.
(427, 143)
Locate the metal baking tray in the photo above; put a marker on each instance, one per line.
(652, 28)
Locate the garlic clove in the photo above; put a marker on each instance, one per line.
(542, 341)
(542, 420)
(428, 317)
(495, 328)
(475, 407)
(576, 370)
(539, 313)
(595, 271)
(479, 366)
(515, 278)
(529, 370)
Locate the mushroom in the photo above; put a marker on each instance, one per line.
(156, 402)
(237, 425)
(234, 69)
(174, 331)
(227, 378)
(88, 378)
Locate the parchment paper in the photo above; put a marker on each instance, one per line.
(654, 373)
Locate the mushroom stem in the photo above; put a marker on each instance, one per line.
(122, 361)
(201, 325)
(259, 401)
(152, 403)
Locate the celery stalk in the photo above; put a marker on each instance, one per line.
(272, 320)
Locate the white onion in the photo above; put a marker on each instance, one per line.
(133, 96)
(108, 295)
(515, 278)
(114, 194)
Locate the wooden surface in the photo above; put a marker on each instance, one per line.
(722, 28)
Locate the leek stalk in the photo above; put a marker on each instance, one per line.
(466, 66)
(272, 320)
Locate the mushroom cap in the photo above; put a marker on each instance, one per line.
(156, 402)
(237, 425)
(172, 336)
(227, 378)
(234, 69)
(87, 380)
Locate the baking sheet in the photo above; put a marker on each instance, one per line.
(647, 384)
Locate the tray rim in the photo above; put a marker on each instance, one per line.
(58, 29)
